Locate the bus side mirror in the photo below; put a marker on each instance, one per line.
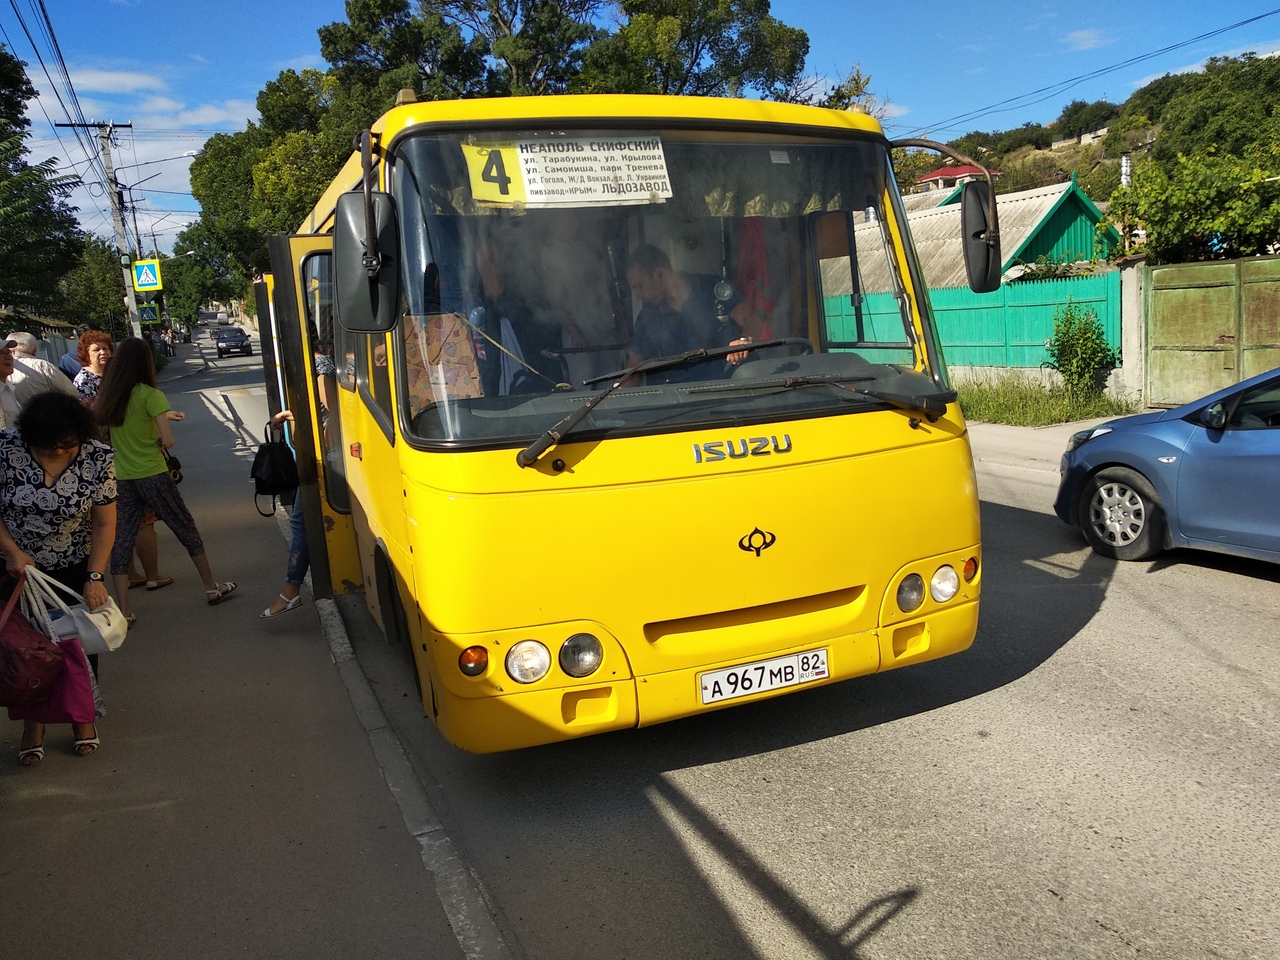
(981, 237)
(366, 304)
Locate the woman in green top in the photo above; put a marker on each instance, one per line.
(138, 417)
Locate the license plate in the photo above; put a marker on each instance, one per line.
(749, 678)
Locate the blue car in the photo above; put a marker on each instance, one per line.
(1205, 475)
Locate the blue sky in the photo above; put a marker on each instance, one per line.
(181, 71)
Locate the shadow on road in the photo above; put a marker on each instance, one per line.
(616, 793)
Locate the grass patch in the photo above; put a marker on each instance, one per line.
(1025, 402)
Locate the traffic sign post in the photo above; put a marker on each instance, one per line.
(146, 276)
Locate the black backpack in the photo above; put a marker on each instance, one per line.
(274, 472)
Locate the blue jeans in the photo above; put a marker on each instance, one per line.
(299, 559)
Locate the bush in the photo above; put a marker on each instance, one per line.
(1079, 351)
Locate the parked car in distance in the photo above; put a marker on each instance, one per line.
(233, 340)
(1205, 475)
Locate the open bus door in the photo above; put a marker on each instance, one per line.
(302, 333)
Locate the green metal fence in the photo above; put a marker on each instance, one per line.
(1009, 328)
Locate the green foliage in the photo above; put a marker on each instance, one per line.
(1210, 207)
(1023, 401)
(1078, 118)
(39, 237)
(93, 290)
(696, 48)
(1223, 110)
(1079, 351)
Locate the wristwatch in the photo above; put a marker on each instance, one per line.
(94, 577)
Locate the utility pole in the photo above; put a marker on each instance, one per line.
(117, 215)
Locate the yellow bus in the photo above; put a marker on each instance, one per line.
(621, 409)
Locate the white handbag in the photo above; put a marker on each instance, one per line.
(99, 631)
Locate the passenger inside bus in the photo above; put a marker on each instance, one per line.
(679, 312)
(509, 339)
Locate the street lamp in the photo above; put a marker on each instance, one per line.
(186, 156)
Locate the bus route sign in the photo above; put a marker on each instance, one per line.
(146, 276)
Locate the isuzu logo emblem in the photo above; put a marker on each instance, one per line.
(757, 541)
(741, 448)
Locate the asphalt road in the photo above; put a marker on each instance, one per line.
(1096, 777)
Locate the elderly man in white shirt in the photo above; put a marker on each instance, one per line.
(22, 378)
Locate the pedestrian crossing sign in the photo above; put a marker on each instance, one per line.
(146, 275)
(148, 313)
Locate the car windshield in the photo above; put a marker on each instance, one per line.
(537, 263)
(231, 332)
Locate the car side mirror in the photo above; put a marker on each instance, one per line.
(1214, 416)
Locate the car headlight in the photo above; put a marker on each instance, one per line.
(1083, 436)
(528, 661)
(581, 655)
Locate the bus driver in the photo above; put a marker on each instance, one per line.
(679, 312)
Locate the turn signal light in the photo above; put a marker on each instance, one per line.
(970, 569)
(473, 661)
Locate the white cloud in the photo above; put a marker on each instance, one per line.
(233, 112)
(115, 81)
(1089, 39)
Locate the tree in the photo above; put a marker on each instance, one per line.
(709, 48)
(1211, 206)
(1079, 117)
(1227, 109)
(93, 290)
(382, 36)
(40, 240)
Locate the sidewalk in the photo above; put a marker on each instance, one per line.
(239, 804)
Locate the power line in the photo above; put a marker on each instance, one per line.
(1045, 93)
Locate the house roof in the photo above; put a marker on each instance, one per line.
(951, 173)
(936, 231)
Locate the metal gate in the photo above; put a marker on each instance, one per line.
(1209, 325)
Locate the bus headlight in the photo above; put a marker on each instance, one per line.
(945, 583)
(910, 592)
(528, 661)
(581, 655)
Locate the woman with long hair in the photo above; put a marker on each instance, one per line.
(138, 416)
(58, 514)
(94, 351)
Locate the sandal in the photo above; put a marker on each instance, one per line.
(290, 603)
(220, 593)
(31, 756)
(157, 584)
(87, 745)
(131, 619)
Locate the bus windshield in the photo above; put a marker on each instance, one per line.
(537, 263)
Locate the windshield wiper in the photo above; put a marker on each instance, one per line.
(931, 405)
(530, 454)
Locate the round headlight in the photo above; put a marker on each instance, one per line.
(581, 655)
(910, 592)
(528, 661)
(945, 583)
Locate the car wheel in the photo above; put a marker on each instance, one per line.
(1121, 515)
